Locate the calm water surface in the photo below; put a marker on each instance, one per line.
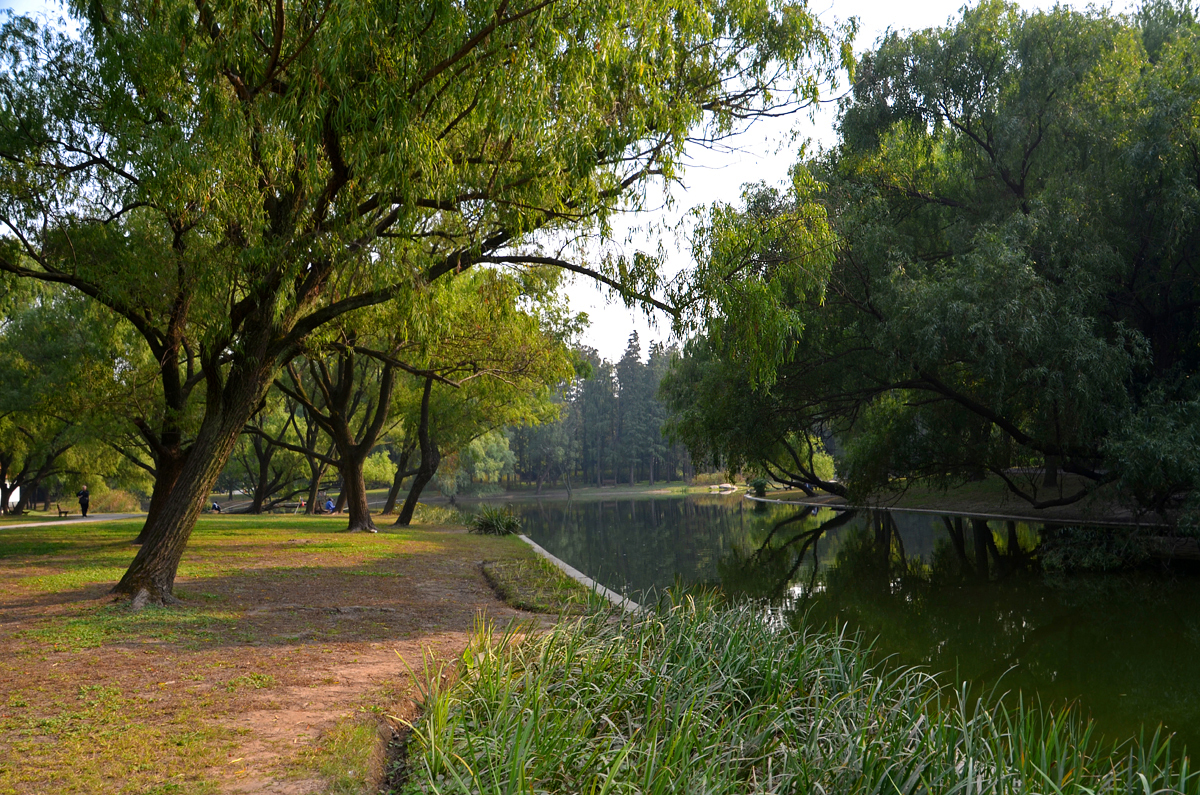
(1125, 647)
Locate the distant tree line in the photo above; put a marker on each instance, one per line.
(611, 429)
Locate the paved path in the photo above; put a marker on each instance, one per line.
(100, 517)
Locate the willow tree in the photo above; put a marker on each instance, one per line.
(1015, 283)
(232, 177)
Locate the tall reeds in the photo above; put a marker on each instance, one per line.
(694, 697)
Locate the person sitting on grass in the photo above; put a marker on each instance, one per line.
(216, 507)
(329, 506)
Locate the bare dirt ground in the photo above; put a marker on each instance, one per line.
(285, 635)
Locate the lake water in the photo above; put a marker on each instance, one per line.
(1125, 647)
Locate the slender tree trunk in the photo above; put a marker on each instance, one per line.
(430, 458)
(425, 473)
(339, 504)
(651, 471)
(402, 472)
(263, 457)
(1014, 550)
(314, 486)
(955, 531)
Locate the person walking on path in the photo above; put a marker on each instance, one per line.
(84, 498)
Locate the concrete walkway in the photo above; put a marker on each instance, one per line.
(100, 517)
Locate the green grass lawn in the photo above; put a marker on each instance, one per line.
(95, 698)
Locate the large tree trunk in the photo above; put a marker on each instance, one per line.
(230, 404)
(166, 472)
(430, 458)
(6, 493)
(1050, 476)
(263, 453)
(354, 493)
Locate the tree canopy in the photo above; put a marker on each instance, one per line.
(1014, 285)
(231, 178)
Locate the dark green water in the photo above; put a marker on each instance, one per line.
(1124, 647)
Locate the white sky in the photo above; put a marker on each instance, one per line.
(762, 154)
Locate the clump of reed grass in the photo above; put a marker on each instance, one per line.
(694, 697)
(493, 521)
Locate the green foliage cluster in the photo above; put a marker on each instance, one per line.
(240, 184)
(1089, 549)
(692, 697)
(1001, 271)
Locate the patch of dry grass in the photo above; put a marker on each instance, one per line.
(286, 626)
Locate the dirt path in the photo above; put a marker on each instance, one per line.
(239, 691)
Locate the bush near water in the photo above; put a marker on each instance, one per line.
(697, 698)
(493, 521)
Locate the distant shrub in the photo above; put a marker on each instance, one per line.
(760, 486)
(492, 521)
(436, 514)
(114, 501)
(709, 478)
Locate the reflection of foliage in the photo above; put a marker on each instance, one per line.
(766, 573)
(1066, 549)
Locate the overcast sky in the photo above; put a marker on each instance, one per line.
(763, 154)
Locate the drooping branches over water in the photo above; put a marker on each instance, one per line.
(1015, 281)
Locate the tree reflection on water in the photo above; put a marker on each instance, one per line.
(960, 597)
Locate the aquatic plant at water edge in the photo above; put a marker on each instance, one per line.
(492, 521)
(693, 697)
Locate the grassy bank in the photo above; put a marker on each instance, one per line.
(695, 698)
